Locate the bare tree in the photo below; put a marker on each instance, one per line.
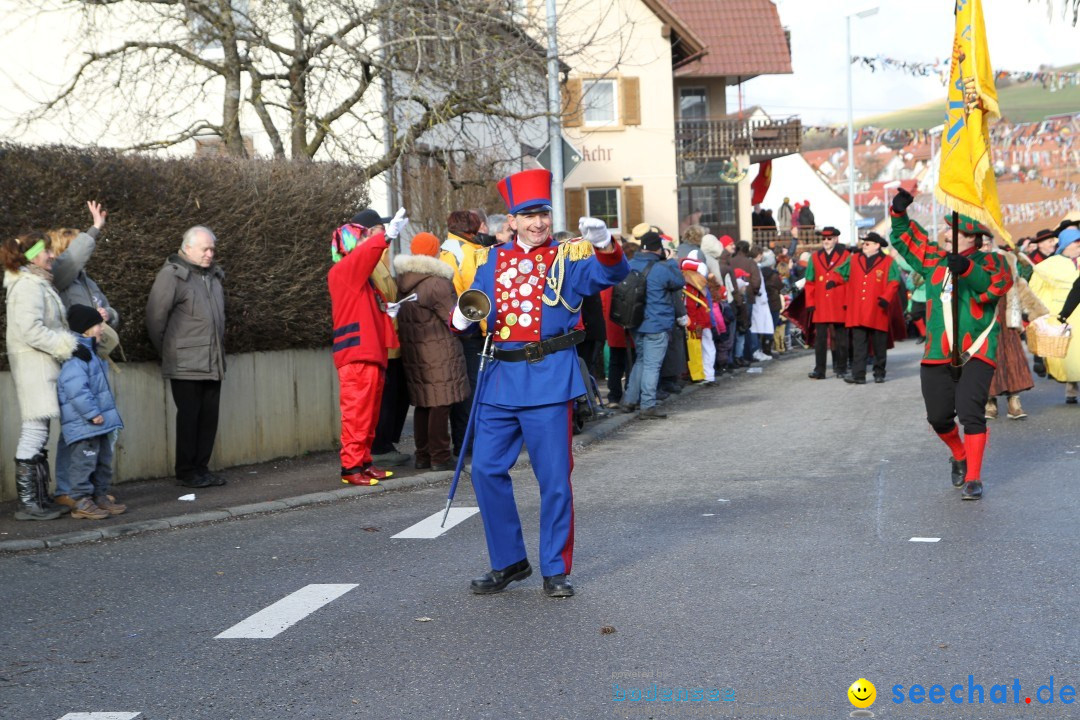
(358, 80)
(1068, 7)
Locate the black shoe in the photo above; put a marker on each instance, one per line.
(879, 379)
(422, 464)
(1070, 401)
(920, 340)
(652, 414)
(959, 470)
(816, 375)
(497, 580)
(558, 586)
(628, 407)
(214, 480)
(852, 380)
(972, 490)
(1040, 369)
(841, 374)
(194, 481)
(661, 395)
(443, 467)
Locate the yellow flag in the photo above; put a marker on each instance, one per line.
(966, 181)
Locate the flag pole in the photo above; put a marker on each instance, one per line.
(955, 365)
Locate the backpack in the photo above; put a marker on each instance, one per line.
(628, 299)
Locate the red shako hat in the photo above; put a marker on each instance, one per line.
(529, 190)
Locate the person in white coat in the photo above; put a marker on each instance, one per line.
(38, 341)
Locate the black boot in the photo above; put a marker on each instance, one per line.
(26, 482)
(44, 482)
(973, 490)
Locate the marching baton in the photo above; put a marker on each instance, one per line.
(484, 357)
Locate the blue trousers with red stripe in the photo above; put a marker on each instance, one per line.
(545, 431)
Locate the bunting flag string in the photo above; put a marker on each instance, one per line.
(1052, 80)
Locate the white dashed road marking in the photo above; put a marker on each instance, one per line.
(101, 716)
(286, 612)
(429, 527)
(922, 539)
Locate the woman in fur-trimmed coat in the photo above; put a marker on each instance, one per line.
(434, 361)
(1012, 376)
(37, 342)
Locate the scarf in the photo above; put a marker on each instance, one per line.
(37, 270)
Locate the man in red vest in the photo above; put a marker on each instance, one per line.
(871, 282)
(363, 332)
(827, 301)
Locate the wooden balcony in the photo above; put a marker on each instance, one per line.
(704, 141)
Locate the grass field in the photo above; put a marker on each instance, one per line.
(1019, 103)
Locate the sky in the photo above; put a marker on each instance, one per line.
(1020, 34)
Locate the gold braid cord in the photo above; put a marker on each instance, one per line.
(577, 251)
(481, 255)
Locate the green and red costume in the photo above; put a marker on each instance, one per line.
(985, 281)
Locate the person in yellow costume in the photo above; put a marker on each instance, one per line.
(1051, 281)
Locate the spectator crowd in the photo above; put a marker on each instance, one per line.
(694, 308)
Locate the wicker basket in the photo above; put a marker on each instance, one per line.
(1049, 346)
(1032, 339)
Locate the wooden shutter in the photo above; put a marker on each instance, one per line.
(572, 113)
(633, 207)
(575, 206)
(630, 90)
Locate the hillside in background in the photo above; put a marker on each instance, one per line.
(1020, 102)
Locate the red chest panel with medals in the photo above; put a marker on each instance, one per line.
(520, 279)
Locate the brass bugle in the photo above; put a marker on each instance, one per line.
(474, 305)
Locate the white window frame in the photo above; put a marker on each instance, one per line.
(618, 204)
(586, 85)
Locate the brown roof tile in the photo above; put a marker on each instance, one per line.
(744, 38)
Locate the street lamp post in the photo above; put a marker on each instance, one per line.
(934, 132)
(558, 211)
(865, 12)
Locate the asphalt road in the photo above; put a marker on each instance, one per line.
(756, 546)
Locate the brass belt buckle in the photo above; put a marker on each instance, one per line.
(534, 352)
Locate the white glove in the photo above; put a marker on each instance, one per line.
(393, 229)
(459, 320)
(800, 283)
(392, 309)
(742, 284)
(595, 231)
(683, 320)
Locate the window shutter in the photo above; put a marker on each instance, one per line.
(634, 206)
(575, 206)
(572, 112)
(630, 89)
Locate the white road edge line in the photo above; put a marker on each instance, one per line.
(924, 539)
(286, 612)
(101, 716)
(428, 528)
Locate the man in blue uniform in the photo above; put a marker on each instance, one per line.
(536, 287)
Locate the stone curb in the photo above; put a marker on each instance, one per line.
(593, 434)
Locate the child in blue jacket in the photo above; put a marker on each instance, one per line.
(88, 416)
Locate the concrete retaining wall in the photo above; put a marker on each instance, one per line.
(273, 404)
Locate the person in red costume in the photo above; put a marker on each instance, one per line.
(827, 302)
(871, 282)
(363, 332)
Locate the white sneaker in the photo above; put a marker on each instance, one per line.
(761, 357)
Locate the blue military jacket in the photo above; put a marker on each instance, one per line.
(536, 295)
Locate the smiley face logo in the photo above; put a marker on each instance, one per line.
(862, 693)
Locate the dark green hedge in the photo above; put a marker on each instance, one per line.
(273, 221)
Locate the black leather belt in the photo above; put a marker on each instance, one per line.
(536, 351)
